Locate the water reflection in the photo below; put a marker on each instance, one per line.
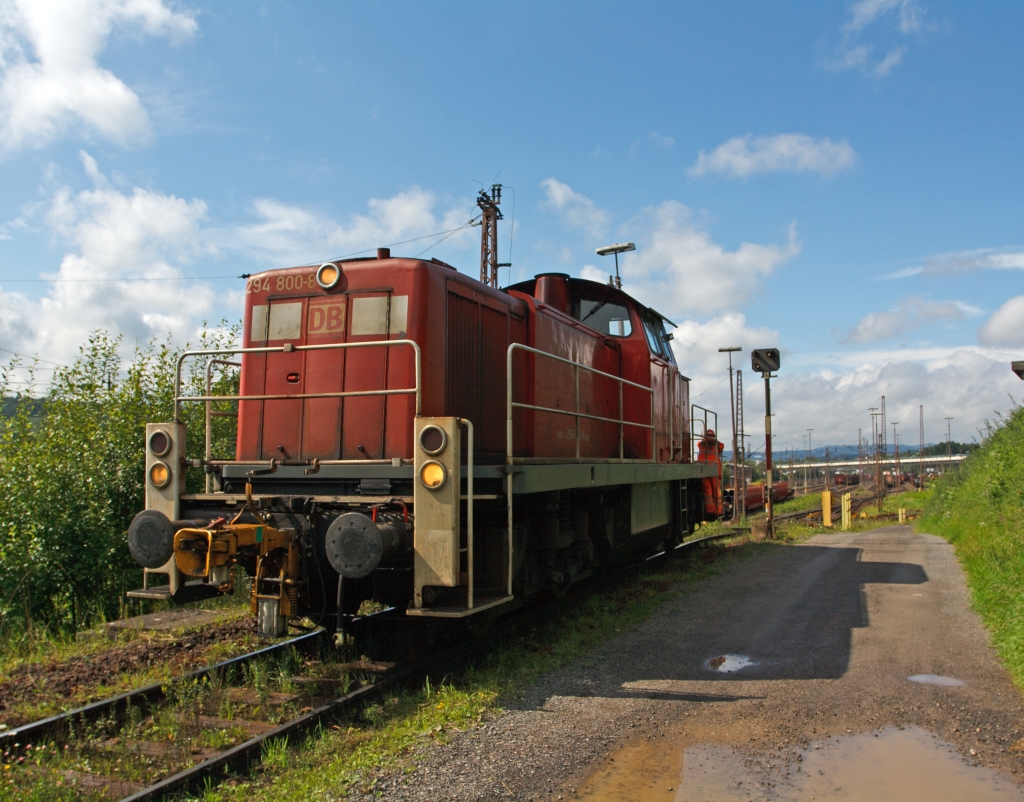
(890, 765)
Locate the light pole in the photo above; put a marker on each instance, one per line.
(949, 451)
(810, 454)
(895, 458)
(732, 409)
(803, 437)
(616, 249)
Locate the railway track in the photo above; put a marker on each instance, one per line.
(116, 713)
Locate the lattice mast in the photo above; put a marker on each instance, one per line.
(920, 452)
(742, 500)
(490, 214)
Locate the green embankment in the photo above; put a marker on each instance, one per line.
(978, 509)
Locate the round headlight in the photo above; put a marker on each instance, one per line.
(328, 275)
(433, 439)
(433, 475)
(159, 443)
(160, 474)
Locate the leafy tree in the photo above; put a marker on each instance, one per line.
(72, 468)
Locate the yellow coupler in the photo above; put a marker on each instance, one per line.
(212, 552)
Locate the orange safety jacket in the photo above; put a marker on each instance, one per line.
(706, 452)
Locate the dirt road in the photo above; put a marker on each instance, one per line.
(831, 632)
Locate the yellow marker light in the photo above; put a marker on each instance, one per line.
(433, 475)
(328, 275)
(160, 474)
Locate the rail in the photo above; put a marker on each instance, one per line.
(286, 348)
(575, 413)
(695, 438)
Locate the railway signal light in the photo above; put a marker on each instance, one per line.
(765, 360)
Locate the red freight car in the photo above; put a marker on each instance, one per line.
(409, 434)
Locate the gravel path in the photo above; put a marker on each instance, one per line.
(834, 627)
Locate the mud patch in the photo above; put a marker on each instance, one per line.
(892, 764)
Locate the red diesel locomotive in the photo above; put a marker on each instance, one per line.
(411, 435)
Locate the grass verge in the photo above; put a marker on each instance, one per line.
(978, 509)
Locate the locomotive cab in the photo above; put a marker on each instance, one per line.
(410, 436)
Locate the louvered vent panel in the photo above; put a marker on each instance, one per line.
(494, 343)
(463, 375)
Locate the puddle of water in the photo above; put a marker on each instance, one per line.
(935, 679)
(892, 765)
(727, 663)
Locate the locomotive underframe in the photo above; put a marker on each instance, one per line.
(569, 521)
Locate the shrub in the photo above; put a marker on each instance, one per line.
(71, 476)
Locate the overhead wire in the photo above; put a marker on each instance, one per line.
(444, 234)
(34, 358)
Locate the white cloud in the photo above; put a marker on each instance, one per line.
(1006, 326)
(853, 54)
(865, 12)
(118, 236)
(125, 235)
(960, 262)
(746, 155)
(832, 394)
(696, 347)
(909, 314)
(971, 384)
(678, 268)
(576, 209)
(292, 235)
(50, 80)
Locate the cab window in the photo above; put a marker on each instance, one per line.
(603, 316)
(657, 338)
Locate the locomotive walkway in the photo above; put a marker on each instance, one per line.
(833, 630)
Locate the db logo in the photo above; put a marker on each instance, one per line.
(326, 318)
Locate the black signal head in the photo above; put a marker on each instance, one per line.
(765, 360)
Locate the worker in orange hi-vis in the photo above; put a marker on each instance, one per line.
(709, 449)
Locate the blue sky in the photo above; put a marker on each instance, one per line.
(838, 179)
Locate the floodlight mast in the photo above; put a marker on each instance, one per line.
(607, 250)
(735, 460)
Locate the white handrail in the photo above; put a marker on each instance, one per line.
(469, 508)
(622, 423)
(287, 348)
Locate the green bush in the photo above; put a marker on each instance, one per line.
(980, 510)
(71, 476)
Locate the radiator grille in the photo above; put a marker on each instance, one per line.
(475, 380)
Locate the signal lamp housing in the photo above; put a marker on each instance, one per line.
(433, 439)
(160, 442)
(160, 474)
(328, 275)
(433, 475)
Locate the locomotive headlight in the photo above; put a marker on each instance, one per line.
(328, 275)
(433, 439)
(433, 475)
(159, 443)
(160, 474)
